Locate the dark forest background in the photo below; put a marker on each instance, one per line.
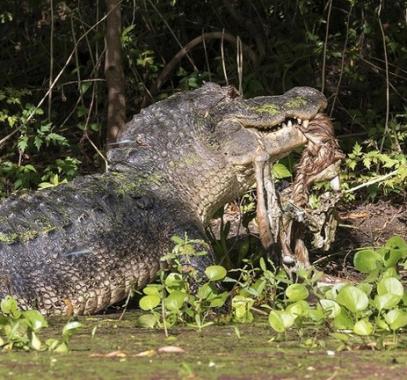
(53, 54)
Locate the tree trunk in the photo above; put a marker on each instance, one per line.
(116, 108)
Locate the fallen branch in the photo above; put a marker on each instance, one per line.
(165, 73)
(373, 181)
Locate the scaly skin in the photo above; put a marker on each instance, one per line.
(82, 246)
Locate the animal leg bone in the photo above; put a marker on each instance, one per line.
(266, 235)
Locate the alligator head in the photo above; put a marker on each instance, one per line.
(264, 129)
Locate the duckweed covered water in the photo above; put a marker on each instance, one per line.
(119, 350)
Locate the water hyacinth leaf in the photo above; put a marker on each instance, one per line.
(397, 243)
(296, 292)
(147, 321)
(342, 321)
(382, 325)
(62, 348)
(35, 319)
(215, 272)
(396, 319)
(287, 318)
(390, 257)
(365, 288)
(241, 309)
(341, 337)
(373, 276)
(386, 301)
(219, 300)
(281, 320)
(9, 306)
(363, 327)
(35, 342)
(149, 302)
(299, 308)
(390, 285)
(390, 272)
(152, 289)
(367, 260)
(175, 300)
(352, 298)
(52, 344)
(331, 308)
(70, 328)
(174, 281)
(204, 291)
(317, 314)
(404, 299)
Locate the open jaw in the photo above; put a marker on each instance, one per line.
(284, 218)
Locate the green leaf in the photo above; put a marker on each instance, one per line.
(287, 318)
(9, 306)
(390, 285)
(175, 300)
(147, 321)
(363, 327)
(174, 281)
(296, 292)
(317, 314)
(215, 272)
(71, 328)
(204, 291)
(35, 342)
(398, 244)
(365, 287)
(390, 272)
(367, 260)
(62, 348)
(52, 343)
(331, 307)
(352, 298)
(390, 257)
(22, 143)
(280, 171)
(149, 302)
(219, 300)
(382, 325)
(276, 322)
(153, 289)
(386, 301)
(396, 319)
(35, 319)
(342, 321)
(299, 308)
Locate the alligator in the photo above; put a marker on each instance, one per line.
(82, 246)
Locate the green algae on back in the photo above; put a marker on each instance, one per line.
(271, 109)
(296, 102)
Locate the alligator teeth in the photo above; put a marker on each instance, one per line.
(305, 123)
(299, 121)
(284, 125)
(289, 123)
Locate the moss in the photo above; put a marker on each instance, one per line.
(128, 184)
(297, 102)
(271, 109)
(8, 238)
(24, 236)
